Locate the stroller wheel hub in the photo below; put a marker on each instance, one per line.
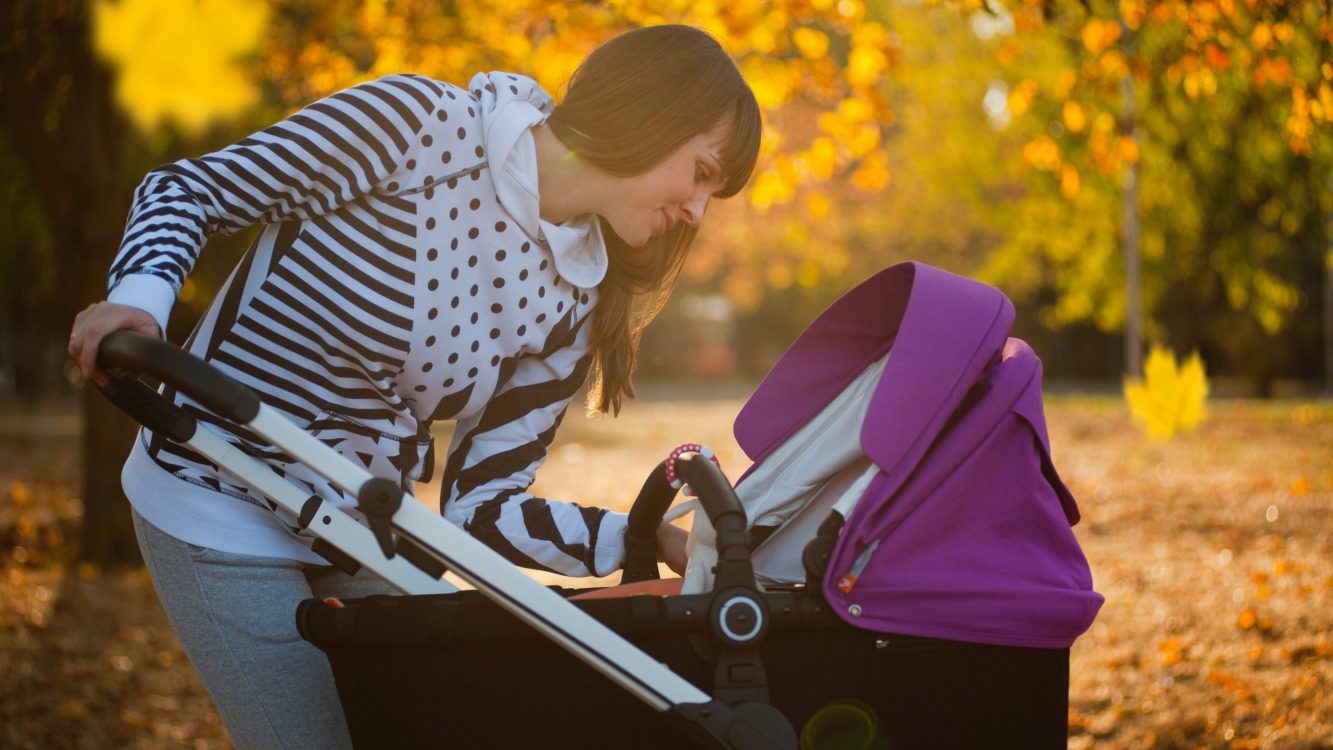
(740, 619)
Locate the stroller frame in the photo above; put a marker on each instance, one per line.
(411, 547)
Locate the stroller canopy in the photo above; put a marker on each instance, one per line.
(965, 531)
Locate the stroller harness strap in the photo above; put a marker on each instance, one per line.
(968, 519)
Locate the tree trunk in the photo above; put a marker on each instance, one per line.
(66, 129)
(1328, 295)
(1129, 226)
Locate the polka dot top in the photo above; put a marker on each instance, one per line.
(402, 275)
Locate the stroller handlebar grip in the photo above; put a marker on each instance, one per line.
(644, 517)
(181, 370)
(714, 491)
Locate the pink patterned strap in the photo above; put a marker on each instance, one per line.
(680, 450)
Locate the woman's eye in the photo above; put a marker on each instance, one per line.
(701, 173)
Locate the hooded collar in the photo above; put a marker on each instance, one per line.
(511, 105)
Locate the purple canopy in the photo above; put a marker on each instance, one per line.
(967, 524)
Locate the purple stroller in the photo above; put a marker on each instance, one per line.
(935, 608)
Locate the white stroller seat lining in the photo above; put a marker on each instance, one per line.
(821, 466)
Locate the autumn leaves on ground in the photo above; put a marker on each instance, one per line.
(1214, 552)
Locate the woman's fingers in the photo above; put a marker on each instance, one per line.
(94, 323)
(671, 541)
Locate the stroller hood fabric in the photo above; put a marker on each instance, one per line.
(965, 532)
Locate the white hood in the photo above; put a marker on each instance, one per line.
(510, 106)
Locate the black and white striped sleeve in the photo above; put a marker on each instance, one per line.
(494, 458)
(307, 165)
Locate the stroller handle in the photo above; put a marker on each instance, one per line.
(142, 355)
(645, 515)
(655, 497)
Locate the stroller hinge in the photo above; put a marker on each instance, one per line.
(379, 499)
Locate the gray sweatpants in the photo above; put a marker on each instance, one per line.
(236, 617)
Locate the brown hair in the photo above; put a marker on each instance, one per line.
(631, 103)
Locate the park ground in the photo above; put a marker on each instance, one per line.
(1214, 552)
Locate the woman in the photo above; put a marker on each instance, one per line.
(428, 252)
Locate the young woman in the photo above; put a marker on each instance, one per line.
(427, 252)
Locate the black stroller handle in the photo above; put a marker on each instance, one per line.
(644, 517)
(143, 355)
(655, 497)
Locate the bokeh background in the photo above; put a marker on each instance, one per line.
(1146, 179)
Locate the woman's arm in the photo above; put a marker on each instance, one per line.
(494, 458)
(322, 157)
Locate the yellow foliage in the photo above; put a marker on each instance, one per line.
(1069, 181)
(873, 174)
(178, 60)
(1129, 149)
(807, 274)
(822, 158)
(1074, 117)
(1043, 153)
(769, 80)
(865, 65)
(817, 206)
(1261, 37)
(1098, 34)
(1021, 97)
(1065, 84)
(812, 44)
(1169, 399)
(770, 187)
(1132, 11)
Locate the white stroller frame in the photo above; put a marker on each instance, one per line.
(429, 544)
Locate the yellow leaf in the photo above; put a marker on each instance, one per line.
(1129, 149)
(1021, 97)
(1169, 399)
(864, 66)
(1248, 619)
(1097, 34)
(812, 44)
(1261, 37)
(1172, 651)
(1065, 83)
(1069, 181)
(178, 59)
(873, 173)
(1132, 11)
(1074, 118)
(1043, 153)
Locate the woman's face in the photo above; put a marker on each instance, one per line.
(677, 189)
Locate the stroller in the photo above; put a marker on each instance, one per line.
(935, 606)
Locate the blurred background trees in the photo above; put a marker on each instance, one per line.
(1014, 140)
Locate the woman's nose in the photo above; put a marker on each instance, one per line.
(694, 208)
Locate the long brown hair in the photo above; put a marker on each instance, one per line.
(631, 103)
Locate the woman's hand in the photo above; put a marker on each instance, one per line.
(94, 323)
(671, 547)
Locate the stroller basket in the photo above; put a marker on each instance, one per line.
(456, 670)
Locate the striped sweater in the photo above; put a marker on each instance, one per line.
(402, 275)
